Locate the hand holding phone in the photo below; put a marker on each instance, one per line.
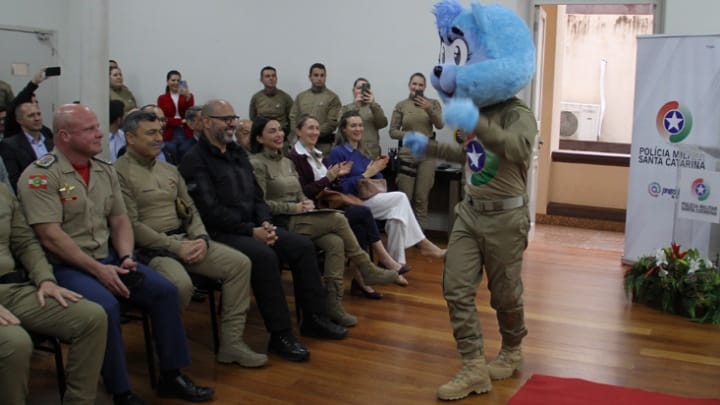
(52, 71)
(183, 84)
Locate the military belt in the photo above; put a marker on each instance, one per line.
(497, 205)
(176, 231)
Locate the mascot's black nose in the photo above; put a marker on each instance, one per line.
(437, 71)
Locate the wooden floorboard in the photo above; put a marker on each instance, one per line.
(580, 325)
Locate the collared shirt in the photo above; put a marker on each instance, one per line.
(151, 190)
(54, 192)
(314, 158)
(278, 180)
(115, 142)
(38, 146)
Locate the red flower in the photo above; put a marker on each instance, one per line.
(676, 251)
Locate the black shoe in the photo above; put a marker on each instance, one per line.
(182, 387)
(286, 346)
(358, 291)
(317, 325)
(127, 398)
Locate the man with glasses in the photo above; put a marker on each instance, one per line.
(220, 179)
(74, 204)
(172, 239)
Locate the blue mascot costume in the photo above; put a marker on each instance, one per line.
(487, 56)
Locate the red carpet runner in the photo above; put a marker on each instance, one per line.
(543, 390)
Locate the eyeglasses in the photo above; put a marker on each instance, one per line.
(227, 119)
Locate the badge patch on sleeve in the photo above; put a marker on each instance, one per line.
(37, 181)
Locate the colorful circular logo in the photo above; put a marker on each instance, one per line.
(654, 189)
(674, 121)
(700, 189)
(483, 164)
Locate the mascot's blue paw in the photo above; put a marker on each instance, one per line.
(461, 114)
(416, 142)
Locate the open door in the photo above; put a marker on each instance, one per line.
(539, 33)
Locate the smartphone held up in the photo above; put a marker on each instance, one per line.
(52, 71)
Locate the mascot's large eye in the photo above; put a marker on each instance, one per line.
(459, 51)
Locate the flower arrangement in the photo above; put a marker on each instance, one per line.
(677, 282)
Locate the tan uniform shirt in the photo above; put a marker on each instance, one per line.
(151, 189)
(17, 240)
(507, 131)
(276, 106)
(125, 95)
(279, 181)
(374, 119)
(51, 191)
(324, 105)
(408, 117)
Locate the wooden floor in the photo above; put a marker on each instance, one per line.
(580, 322)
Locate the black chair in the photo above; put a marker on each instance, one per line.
(208, 286)
(130, 313)
(52, 344)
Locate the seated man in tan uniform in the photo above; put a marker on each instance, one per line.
(23, 306)
(171, 236)
(74, 204)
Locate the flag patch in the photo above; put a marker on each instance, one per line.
(37, 181)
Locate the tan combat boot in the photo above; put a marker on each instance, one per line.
(472, 377)
(335, 310)
(508, 360)
(241, 354)
(234, 350)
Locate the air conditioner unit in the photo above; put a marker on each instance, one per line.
(579, 122)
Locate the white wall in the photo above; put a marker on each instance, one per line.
(219, 46)
(692, 16)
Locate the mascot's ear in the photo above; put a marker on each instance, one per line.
(480, 18)
(445, 13)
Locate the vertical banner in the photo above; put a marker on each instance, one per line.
(676, 125)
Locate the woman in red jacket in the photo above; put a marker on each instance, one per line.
(176, 100)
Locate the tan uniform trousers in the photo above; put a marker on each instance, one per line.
(83, 324)
(495, 240)
(330, 232)
(417, 188)
(220, 263)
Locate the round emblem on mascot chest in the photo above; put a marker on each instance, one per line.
(483, 164)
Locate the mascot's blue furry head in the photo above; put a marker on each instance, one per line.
(487, 53)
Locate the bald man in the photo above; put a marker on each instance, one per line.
(74, 204)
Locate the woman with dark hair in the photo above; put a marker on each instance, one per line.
(119, 91)
(316, 177)
(292, 210)
(174, 102)
(402, 228)
(372, 114)
(419, 114)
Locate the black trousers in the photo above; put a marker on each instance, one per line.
(299, 253)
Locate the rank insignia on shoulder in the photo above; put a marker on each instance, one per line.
(46, 161)
(107, 162)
